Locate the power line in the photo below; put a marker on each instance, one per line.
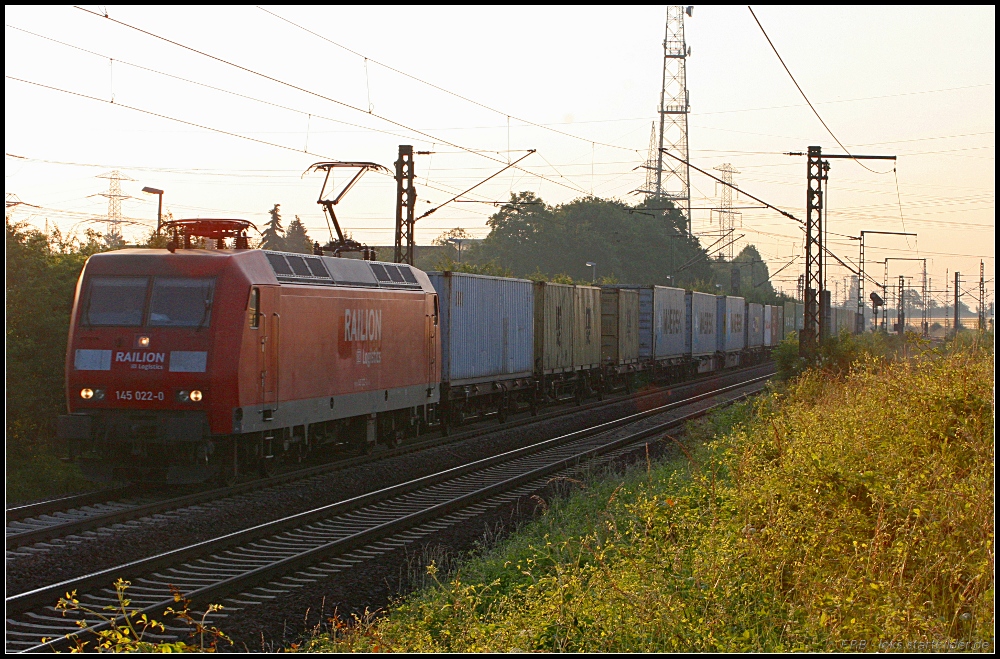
(438, 87)
(316, 94)
(799, 87)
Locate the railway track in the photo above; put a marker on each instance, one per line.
(244, 568)
(67, 516)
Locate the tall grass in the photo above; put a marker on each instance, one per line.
(849, 511)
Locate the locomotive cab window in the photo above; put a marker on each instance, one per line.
(254, 308)
(181, 302)
(116, 301)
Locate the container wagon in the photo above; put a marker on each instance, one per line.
(729, 337)
(700, 325)
(487, 345)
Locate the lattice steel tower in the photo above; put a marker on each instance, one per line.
(115, 196)
(673, 177)
(726, 215)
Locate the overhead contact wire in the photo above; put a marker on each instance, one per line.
(311, 93)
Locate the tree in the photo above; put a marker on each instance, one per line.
(640, 244)
(296, 238)
(42, 272)
(273, 236)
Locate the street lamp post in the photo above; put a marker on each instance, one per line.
(457, 241)
(591, 264)
(159, 208)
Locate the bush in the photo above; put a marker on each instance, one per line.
(854, 507)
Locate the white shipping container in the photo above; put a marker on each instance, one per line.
(729, 337)
(701, 312)
(668, 326)
(779, 325)
(755, 325)
(768, 324)
(487, 330)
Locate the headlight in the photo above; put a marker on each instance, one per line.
(98, 394)
(196, 395)
(143, 341)
(86, 394)
(183, 396)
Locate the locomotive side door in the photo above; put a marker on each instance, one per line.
(432, 321)
(269, 321)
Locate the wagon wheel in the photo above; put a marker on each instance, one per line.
(502, 411)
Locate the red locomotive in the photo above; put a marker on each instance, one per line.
(185, 365)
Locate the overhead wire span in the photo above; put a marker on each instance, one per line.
(740, 190)
(181, 121)
(455, 198)
(799, 87)
(312, 93)
(164, 116)
(202, 84)
(438, 87)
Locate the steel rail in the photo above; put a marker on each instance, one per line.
(17, 513)
(270, 550)
(50, 522)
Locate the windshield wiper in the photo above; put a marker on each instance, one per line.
(205, 313)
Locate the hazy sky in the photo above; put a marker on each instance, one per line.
(917, 82)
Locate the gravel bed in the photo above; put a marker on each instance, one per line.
(61, 559)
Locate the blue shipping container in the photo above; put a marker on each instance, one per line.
(487, 328)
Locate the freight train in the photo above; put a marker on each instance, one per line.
(191, 365)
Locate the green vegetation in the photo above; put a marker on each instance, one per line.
(852, 506)
(126, 627)
(640, 244)
(42, 272)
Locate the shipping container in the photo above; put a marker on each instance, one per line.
(729, 320)
(553, 327)
(668, 326)
(619, 326)
(487, 327)
(646, 316)
(701, 311)
(779, 324)
(587, 327)
(755, 325)
(799, 316)
(789, 317)
(768, 325)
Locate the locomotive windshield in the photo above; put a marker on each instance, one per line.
(181, 302)
(116, 301)
(173, 302)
